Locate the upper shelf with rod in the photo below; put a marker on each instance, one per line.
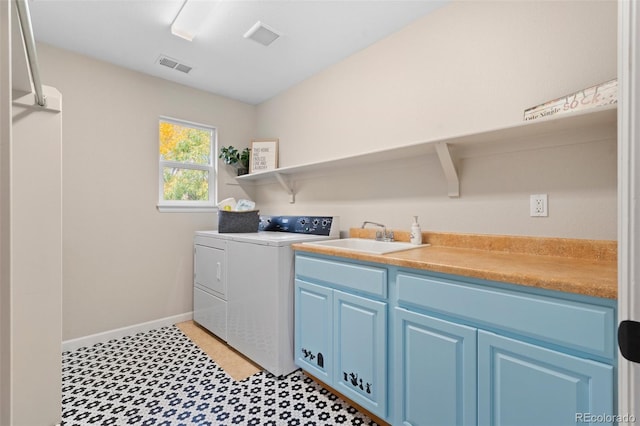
(579, 127)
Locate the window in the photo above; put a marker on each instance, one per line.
(187, 166)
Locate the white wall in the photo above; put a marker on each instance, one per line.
(5, 224)
(469, 66)
(30, 240)
(124, 262)
(36, 261)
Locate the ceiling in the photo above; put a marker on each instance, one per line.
(135, 33)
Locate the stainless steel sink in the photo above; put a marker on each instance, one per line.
(364, 245)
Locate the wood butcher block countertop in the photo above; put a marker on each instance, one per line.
(587, 267)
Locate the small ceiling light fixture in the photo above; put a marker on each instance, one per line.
(262, 34)
(191, 17)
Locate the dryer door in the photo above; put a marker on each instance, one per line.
(210, 269)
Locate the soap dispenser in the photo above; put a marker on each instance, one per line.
(416, 232)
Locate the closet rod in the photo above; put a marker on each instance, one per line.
(30, 45)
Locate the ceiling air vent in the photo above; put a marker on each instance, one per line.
(184, 68)
(174, 64)
(262, 34)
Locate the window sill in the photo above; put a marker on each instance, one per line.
(163, 208)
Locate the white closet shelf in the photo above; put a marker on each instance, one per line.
(579, 127)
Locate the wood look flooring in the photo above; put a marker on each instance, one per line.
(232, 362)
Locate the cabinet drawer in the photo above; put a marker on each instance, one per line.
(364, 279)
(580, 326)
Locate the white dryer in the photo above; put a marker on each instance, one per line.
(255, 313)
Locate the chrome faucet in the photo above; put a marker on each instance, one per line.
(380, 235)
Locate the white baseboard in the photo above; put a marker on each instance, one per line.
(81, 342)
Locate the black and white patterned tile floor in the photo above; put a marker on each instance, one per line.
(161, 378)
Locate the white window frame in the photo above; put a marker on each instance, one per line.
(186, 205)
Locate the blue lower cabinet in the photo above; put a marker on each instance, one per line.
(360, 348)
(451, 362)
(341, 329)
(435, 366)
(523, 384)
(313, 329)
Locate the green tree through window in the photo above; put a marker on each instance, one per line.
(186, 163)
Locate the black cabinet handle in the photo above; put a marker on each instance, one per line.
(629, 340)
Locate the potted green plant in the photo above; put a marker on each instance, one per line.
(244, 161)
(237, 159)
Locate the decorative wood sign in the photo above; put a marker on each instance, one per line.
(601, 94)
(264, 155)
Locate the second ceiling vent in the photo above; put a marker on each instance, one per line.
(262, 34)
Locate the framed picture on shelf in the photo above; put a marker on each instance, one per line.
(264, 155)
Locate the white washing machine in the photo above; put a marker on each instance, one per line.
(254, 313)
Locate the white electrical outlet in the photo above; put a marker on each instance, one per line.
(539, 205)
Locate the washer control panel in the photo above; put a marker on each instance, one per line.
(312, 225)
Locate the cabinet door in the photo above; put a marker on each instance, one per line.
(313, 329)
(435, 365)
(360, 345)
(523, 384)
(209, 268)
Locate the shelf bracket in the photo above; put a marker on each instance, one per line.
(449, 168)
(287, 187)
